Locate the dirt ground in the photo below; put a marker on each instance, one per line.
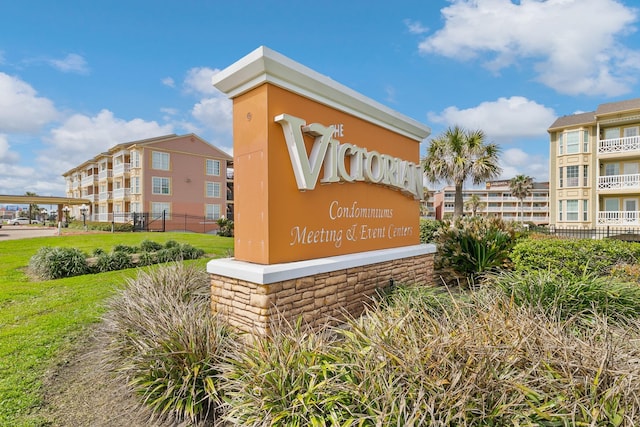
(79, 393)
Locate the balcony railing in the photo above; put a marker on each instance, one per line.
(88, 180)
(619, 145)
(121, 193)
(104, 196)
(107, 173)
(621, 218)
(121, 169)
(619, 182)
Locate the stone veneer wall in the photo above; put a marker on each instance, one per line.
(322, 298)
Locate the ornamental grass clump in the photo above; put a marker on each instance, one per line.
(570, 296)
(165, 343)
(54, 263)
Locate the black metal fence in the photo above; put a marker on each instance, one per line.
(147, 221)
(620, 233)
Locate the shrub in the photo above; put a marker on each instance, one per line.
(289, 378)
(581, 297)
(150, 246)
(126, 249)
(226, 227)
(178, 252)
(147, 258)
(573, 257)
(53, 263)
(471, 246)
(165, 342)
(429, 229)
(113, 261)
(171, 244)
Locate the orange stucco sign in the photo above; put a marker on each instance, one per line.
(319, 169)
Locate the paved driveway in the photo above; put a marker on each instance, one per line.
(11, 232)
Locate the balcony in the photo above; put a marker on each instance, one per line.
(121, 193)
(105, 174)
(629, 144)
(619, 218)
(121, 169)
(619, 182)
(89, 180)
(103, 197)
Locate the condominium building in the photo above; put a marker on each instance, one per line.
(495, 200)
(594, 167)
(170, 178)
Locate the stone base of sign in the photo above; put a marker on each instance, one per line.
(253, 297)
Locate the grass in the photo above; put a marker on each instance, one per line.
(40, 319)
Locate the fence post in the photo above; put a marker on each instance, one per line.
(164, 217)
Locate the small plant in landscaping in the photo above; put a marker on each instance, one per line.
(54, 263)
(114, 261)
(164, 341)
(150, 246)
(471, 246)
(126, 249)
(429, 229)
(226, 227)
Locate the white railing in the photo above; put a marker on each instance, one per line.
(107, 173)
(88, 180)
(121, 169)
(619, 145)
(619, 182)
(104, 196)
(619, 218)
(121, 193)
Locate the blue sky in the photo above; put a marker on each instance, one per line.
(77, 77)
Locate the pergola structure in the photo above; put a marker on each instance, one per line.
(44, 200)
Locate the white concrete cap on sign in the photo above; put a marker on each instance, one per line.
(264, 65)
(265, 274)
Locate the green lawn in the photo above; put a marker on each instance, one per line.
(39, 320)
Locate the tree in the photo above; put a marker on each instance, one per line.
(474, 204)
(458, 155)
(521, 186)
(34, 209)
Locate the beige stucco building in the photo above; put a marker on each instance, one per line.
(495, 200)
(594, 167)
(173, 176)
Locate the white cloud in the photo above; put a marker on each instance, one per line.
(168, 81)
(72, 63)
(81, 137)
(198, 81)
(415, 27)
(7, 156)
(21, 110)
(515, 161)
(574, 43)
(214, 110)
(504, 119)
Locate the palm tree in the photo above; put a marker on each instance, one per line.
(474, 204)
(458, 155)
(521, 186)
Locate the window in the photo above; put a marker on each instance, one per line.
(585, 175)
(560, 177)
(610, 205)
(213, 167)
(612, 169)
(585, 211)
(160, 185)
(572, 176)
(560, 210)
(135, 207)
(560, 144)
(160, 161)
(630, 168)
(573, 142)
(612, 133)
(213, 212)
(135, 185)
(158, 208)
(572, 210)
(632, 131)
(135, 159)
(213, 189)
(585, 141)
